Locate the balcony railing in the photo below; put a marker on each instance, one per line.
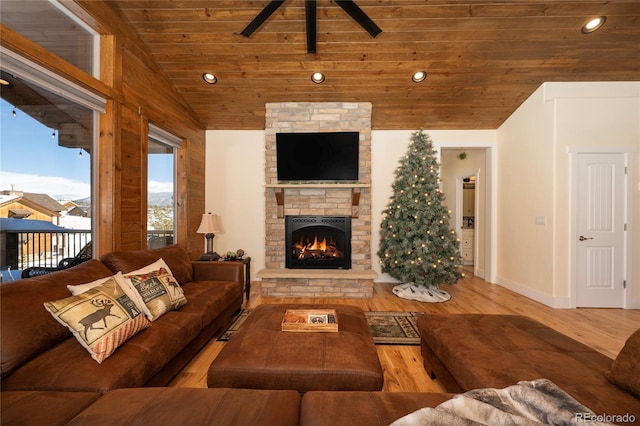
(22, 250)
(157, 239)
(41, 248)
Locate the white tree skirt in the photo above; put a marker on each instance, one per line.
(420, 293)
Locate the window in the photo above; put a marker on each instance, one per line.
(50, 25)
(161, 187)
(47, 138)
(49, 132)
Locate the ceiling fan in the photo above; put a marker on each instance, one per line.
(348, 6)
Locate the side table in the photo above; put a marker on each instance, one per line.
(246, 261)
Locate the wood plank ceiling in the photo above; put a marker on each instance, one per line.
(483, 57)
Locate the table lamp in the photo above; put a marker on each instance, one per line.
(209, 225)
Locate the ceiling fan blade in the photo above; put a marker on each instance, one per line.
(359, 16)
(310, 16)
(261, 17)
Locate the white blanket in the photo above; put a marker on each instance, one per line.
(539, 402)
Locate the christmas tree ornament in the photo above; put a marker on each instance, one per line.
(417, 245)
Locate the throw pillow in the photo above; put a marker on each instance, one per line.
(125, 284)
(625, 369)
(101, 319)
(158, 288)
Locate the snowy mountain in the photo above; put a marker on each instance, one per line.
(162, 199)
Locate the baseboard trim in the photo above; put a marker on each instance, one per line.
(634, 303)
(551, 301)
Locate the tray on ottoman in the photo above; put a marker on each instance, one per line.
(310, 320)
(262, 356)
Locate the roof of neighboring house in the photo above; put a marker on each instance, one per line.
(26, 225)
(43, 200)
(77, 211)
(6, 197)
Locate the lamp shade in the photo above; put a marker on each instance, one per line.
(210, 224)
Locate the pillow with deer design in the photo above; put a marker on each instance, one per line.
(125, 284)
(158, 289)
(101, 319)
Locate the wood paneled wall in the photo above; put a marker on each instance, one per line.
(137, 93)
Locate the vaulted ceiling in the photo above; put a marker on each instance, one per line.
(483, 57)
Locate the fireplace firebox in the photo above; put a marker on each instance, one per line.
(318, 242)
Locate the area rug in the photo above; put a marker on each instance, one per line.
(387, 327)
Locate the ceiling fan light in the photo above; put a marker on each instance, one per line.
(209, 78)
(419, 76)
(317, 77)
(594, 24)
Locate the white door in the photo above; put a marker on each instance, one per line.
(600, 230)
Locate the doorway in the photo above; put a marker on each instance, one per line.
(465, 220)
(470, 168)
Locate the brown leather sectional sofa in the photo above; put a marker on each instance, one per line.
(220, 407)
(49, 379)
(38, 353)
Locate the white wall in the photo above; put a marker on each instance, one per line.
(525, 190)
(234, 189)
(534, 180)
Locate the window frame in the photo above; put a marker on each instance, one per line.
(27, 70)
(163, 137)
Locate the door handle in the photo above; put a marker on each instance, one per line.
(582, 238)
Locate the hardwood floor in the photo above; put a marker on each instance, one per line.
(605, 330)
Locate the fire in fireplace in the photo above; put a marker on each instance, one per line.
(318, 242)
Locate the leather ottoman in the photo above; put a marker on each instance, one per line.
(261, 356)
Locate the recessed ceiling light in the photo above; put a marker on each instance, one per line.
(419, 76)
(4, 82)
(594, 24)
(209, 78)
(317, 77)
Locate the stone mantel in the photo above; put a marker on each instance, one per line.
(355, 193)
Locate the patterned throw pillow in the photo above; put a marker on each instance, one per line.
(125, 284)
(101, 319)
(158, 288)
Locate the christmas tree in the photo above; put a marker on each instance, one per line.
(417, 245)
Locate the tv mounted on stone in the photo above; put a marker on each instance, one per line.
(317, 157)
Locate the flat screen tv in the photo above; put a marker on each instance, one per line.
(330, 156)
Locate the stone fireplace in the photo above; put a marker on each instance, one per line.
(351, 200)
